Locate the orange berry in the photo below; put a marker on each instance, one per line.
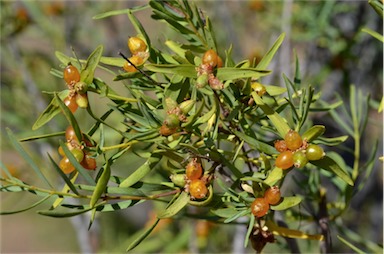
(66, 166)
(284, 160)
(136, 45)
(259, 207)
(197, 189)
(293, 140)
(88, 162)
(70, 134)
(70, 102)
(210, 57)
(194, 170)
(71, 74)
(272, 195)
(136, 60)
(280, 146)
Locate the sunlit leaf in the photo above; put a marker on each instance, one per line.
(329, 164)
(179, 203)
(286, 202)
(291, 233)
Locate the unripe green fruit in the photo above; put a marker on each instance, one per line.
(258, 88)
(81, 87)
(172, 121)
(178, 179)
(78, 154)
(299, 159)
(186, 106)
(314, 152)
(82, 100)
(202, 80)
(170, 103)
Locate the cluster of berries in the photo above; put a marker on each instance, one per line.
(77, 96)
(176, 114)
(294, 151)
(260, 206)
(205, 71)
(196, 182)
(78, 151)
(138, 49)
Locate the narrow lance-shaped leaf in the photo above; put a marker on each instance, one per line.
(277, 121)
(142, 171)
(287, 202)
(50, 112)
(63, 176)
(264, 62)
(101, 184)
(26, 209)
(313, 132)
(144, 235)
(180, 202)
(93, 60)
(26, 157)
(250, 229)
(329, 164)
(70, 117)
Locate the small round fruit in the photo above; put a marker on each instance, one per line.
(197, 189)
(272, 195)
(66, 166)
(293, 140)
(178, 179)
(70, 102)
(314, 152)
(166, 131)
(78, 154)
(136, 61)
(81, 87)
(82, 100)
(219, 62)
(194, 170)
(299, 159)
(284, 160)
(259, 88)
(259, 207)
(70, 134)
(71, 74)
(88, 162)
(172, 121)
(280, 146)
(136, 45)
(61, 151)
(210, 57)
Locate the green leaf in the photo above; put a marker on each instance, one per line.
(277, 121)
(62, 214)
(275, 90)
(231, 73)
(101, 185)
(142, 171)
(50, 135)
(93, 60)
(138, 27)
(26, 209)
(275, 175)
(180, 202)
(331, 141)
(350, 245)
(264, 62)
(144, 235)
(256, 144)
(70, 117)
(26, 157)
(286, 202)
(63, 176)
(51, 111)
(119, 12)
(113, 61)
(225, 212)
(250, 229)
(185, 70)
(329, 164)
(313, 132)
(237, 215)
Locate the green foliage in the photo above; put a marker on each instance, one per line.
(223, 122)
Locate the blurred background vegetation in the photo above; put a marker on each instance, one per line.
(326, 36)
